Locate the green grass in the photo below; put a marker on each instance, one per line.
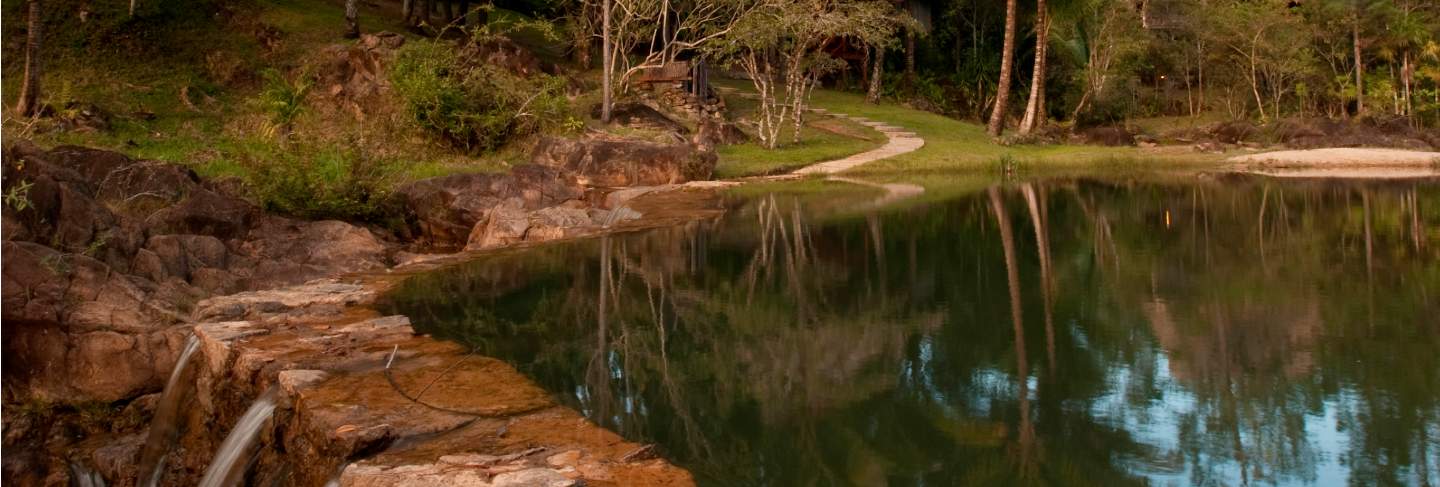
(752, 159)
(140, 87)
(951, 146)
(954, 144)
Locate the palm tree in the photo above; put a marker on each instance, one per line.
(29, 103)
(1035, 107)
(1007, 58)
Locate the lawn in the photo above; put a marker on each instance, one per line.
(954, 144)
(950, 145)
(816, 145)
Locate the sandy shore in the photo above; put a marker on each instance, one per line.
(1346, 162)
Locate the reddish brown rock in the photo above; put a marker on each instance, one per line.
(623, 162)
(444, 210)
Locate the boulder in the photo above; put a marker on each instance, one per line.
(510, 224)
(104, 253)
(353, 76)
(444, 210)
(714, 133)
(501, 52)
(505, 225)
(624, 162)
(43, 285)
(281, 251)
(204, 212)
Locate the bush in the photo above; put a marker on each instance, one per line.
(475, 107)
(321, 183)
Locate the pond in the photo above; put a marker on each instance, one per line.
(1201, 331)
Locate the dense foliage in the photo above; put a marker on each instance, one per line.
(1264, 59)
(476, 107)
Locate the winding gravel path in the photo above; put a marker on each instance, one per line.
(899, 141)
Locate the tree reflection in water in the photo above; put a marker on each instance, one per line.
(1250, 331)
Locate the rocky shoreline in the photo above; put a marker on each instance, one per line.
(113, 263)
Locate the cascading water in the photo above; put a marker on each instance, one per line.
(228, 465)
(165, 427)
(82, 476)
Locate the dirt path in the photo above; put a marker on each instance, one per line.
(1365, 163)
(898, 141)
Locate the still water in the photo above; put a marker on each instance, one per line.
(1068, 332)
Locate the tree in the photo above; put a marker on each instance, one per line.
(877, 73)
(29, 103)
(607, 62)
(778, 45)
(352, 25)
(1035, 107)
(664, 30)
(1007, 57)
(1258, 34)
(1102, 35)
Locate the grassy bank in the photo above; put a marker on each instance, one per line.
(950, 145)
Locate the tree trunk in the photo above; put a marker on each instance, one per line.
(607, 61)
(1407, 73)
(1255, 86)
(29, 103)
(876, 77)
(1359, 69)
(865, 67)
(1007, 58)
(1035, 107)
(910, 60)
(352, 24)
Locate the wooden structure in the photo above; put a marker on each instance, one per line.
(693, 76)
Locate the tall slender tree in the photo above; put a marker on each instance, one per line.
(1035, 107)
(29, 103)
(606, 59)
(1007, 60)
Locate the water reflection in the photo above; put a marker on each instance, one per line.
(1065, 332)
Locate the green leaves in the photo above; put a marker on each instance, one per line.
(477, 107)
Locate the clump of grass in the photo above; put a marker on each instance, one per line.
(284, 99)
(322, 182)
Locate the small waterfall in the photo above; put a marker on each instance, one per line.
(229, 462)
(82, 476)
(165, 426)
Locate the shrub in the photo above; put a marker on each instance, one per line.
(320, 183)
(475, 107)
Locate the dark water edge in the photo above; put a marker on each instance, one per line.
(1065, 332)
